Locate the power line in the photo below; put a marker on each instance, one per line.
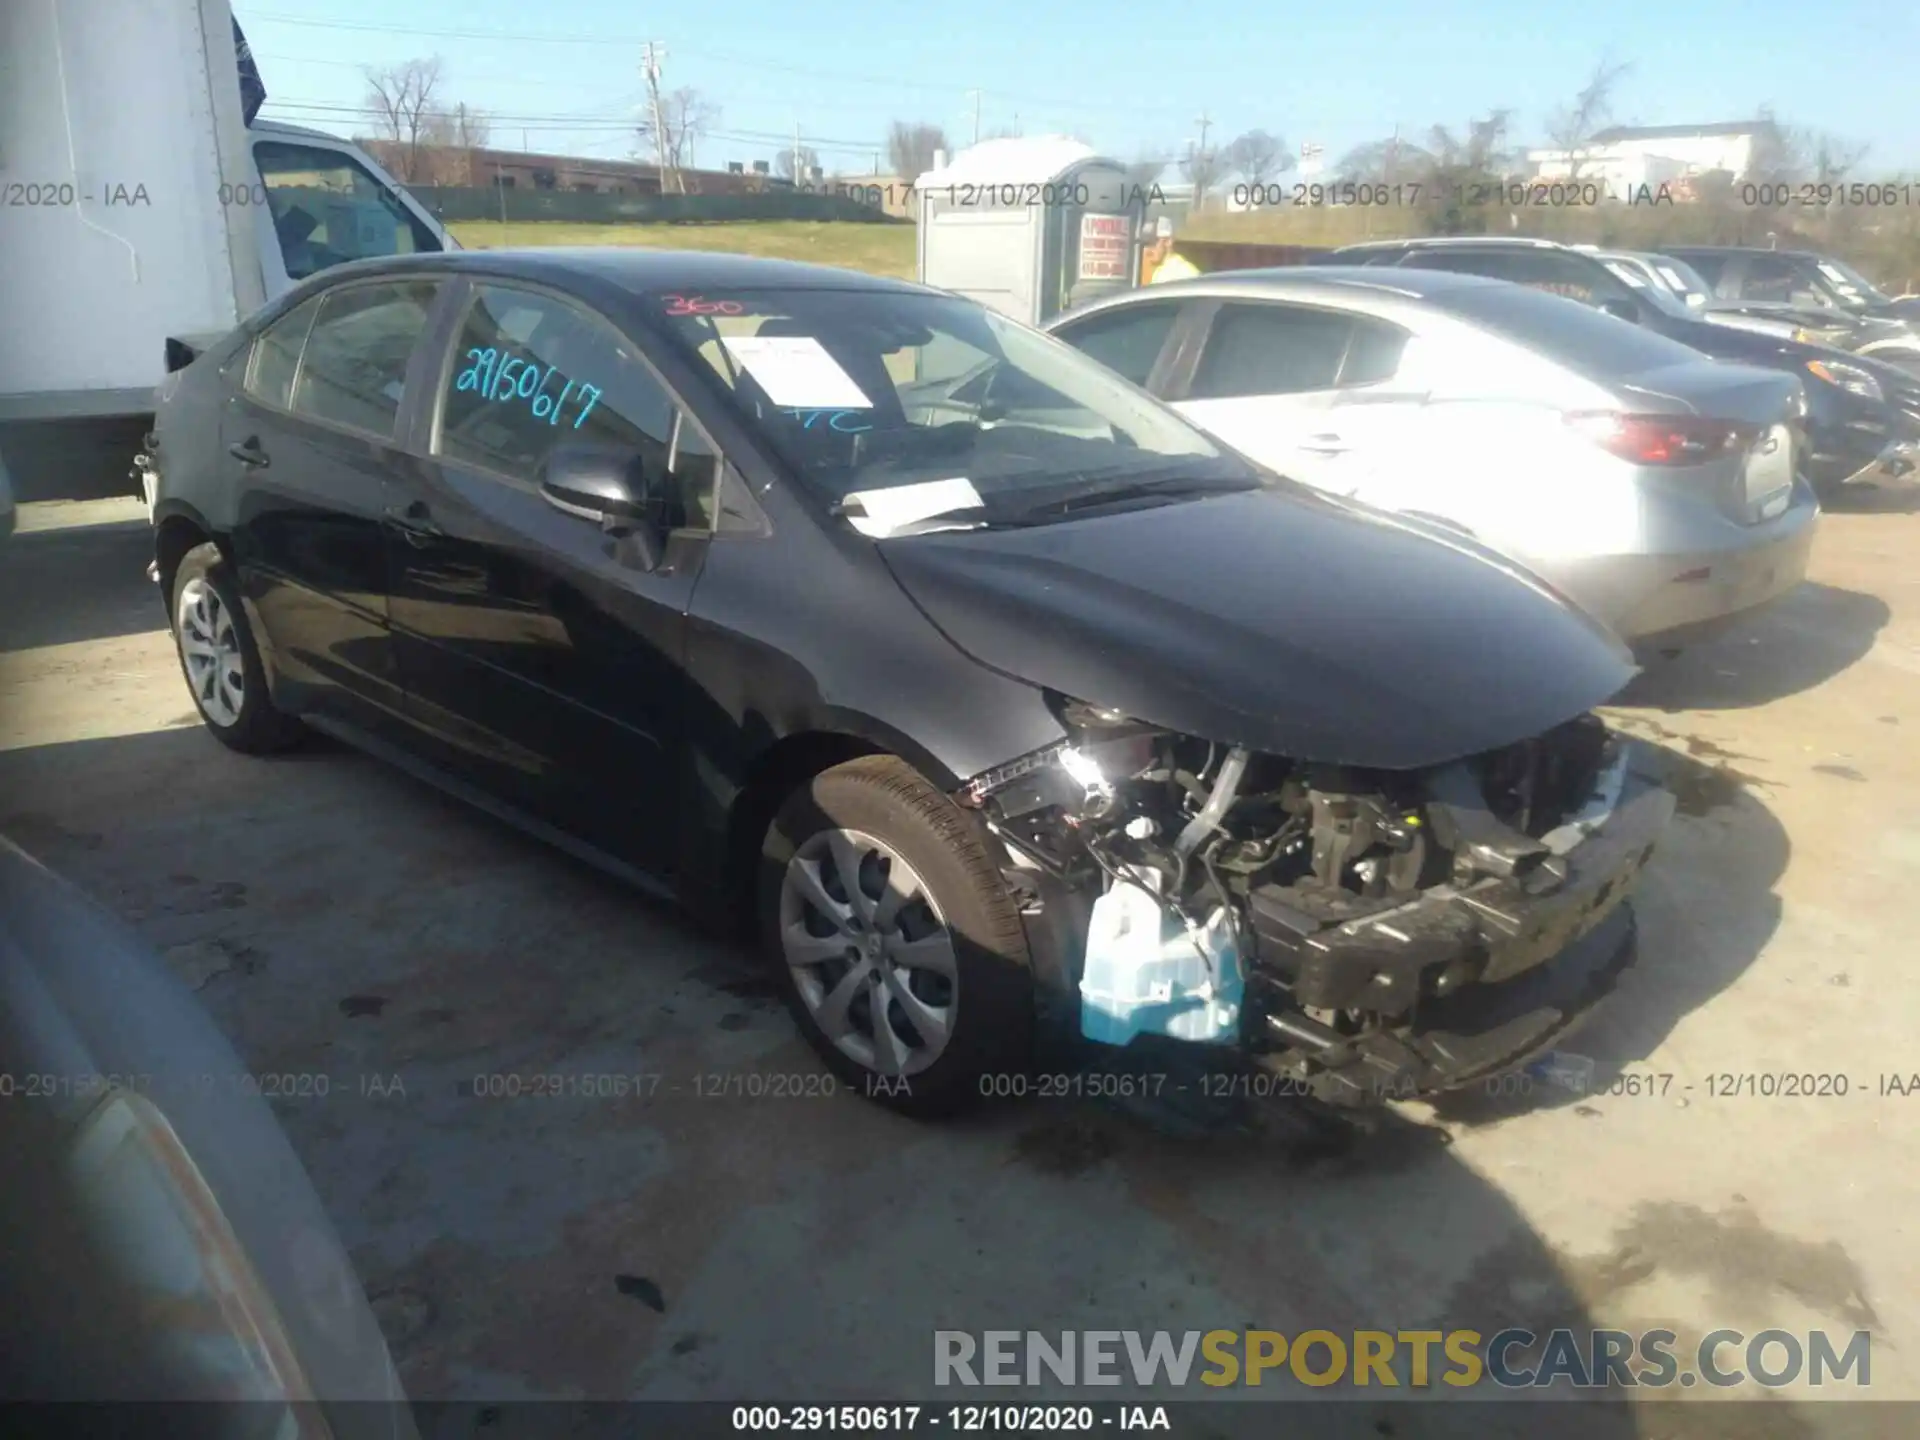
(329, 109)
(748, 62)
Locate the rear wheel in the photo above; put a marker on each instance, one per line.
(220, 660)
(900, 953)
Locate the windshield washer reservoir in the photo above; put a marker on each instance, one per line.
(1148, 974)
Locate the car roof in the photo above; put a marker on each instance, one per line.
(1301, 282)
(1742, 250)
(635, 269)
(1438, 242)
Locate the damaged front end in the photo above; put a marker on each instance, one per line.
(1363, 933)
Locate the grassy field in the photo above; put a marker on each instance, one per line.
(1887, 247)
(875, 249)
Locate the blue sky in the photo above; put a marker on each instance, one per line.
(1131, 79)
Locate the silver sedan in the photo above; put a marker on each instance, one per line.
(1653, 485)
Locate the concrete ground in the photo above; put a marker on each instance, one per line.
(340, 919)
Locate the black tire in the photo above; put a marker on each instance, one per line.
(260, 728)
(989, 1045)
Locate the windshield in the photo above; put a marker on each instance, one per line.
(865, 391)
(1681, 278)
(1654, 289)
(1853, 288)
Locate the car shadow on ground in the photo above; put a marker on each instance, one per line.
(42, 604)
(1874, 499)
(1706, 908)
(1801, 642)
(707, 1239)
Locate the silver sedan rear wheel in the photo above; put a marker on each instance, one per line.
(210, 646)
(871, 955)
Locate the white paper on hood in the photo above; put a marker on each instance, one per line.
(796, 370)
(891, 509)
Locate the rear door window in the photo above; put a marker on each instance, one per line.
(354, 367)
(1127, 340)
(1778, 280)
(1710, 268)
(1374, 352)
(1258, 349)
(276, 355)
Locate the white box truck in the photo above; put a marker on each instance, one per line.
(141, 214)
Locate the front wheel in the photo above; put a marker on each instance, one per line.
(900, 952)
(220, 660)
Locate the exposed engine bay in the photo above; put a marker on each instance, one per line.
(1362, 906)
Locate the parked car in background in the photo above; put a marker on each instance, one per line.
(1863, 417)
(1820, 290)
(1674, 275)
(1651, 484)
(159, 1239)
(1639, 267)
(861, 609)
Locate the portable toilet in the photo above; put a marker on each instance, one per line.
(1030, 227)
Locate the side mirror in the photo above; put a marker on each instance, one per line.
(1621, 310)
(612, 487)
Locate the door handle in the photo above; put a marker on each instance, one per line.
(248, 452)
(414, 521)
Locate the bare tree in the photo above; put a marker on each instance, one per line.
(1457, 163)
(1829, 158)
(1142, 173)
(1572, 127)
(685, 116)
(1202, 169)
(401, 101)
(448, 139)
(1256, 157)
(1481, 149)
(1384, 161)
(911, 145)
(1783, 153)
(796, 163)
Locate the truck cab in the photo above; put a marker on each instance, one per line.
(148, 209)
(323, 201)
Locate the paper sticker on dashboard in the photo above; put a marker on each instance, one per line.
(797, 372)
(887, 510)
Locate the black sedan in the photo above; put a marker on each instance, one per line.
(924, 642)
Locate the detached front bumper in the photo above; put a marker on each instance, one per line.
(1462, 982)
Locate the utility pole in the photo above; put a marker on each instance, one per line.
(651, 55)
(976, 115)
(797, 176)
(1205, 125)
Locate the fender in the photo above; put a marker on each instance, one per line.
(1896, 345)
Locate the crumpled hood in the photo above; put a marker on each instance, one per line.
(1283, 620)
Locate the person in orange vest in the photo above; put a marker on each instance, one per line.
(1162, 264)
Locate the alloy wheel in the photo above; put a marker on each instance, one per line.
(871, 954)
(211, 647)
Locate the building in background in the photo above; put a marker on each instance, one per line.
(459, 166)
(1626, 157)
